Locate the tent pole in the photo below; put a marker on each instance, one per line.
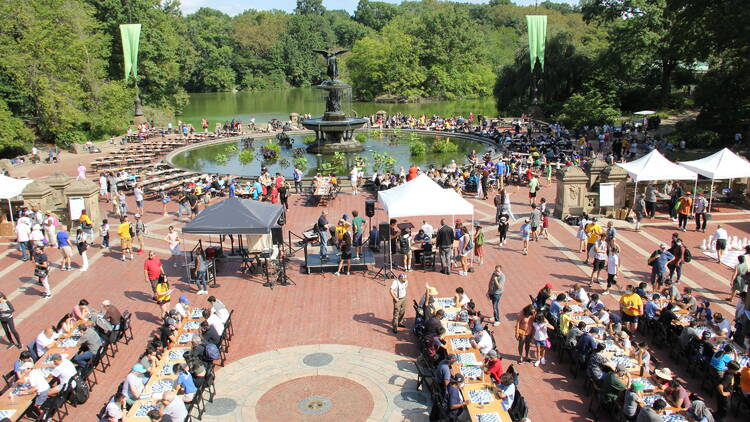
(711, 197)
(10, 210)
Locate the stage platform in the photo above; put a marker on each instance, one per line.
(314, 265)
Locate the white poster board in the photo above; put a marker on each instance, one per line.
(75, 205)
(606, 194)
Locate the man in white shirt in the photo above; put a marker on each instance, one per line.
(724, 326)
(37, 383)
(214, 321)
(23, 233)
(398, 294)
(507, 390)
(183, 307)
(64, 370)
(133, 385)
(173, 407)
(427, 228)
(113, 412)
(482, 341)
(218, 308)
(720, 236)
(44, 340)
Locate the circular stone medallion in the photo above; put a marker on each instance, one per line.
(317, 359)
(315, 405)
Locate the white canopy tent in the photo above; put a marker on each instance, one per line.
(654, 166)
(722, 165)
(422, 197)
(10, 188)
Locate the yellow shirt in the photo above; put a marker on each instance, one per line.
(161, 292)
(84, 219)
(593, 231)
(340, 230)
(631, 304)
(565, 323)
(124, 230)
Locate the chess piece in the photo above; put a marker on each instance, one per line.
(703, 245)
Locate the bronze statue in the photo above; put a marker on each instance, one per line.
(331, 59)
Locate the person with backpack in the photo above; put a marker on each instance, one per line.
(454, 401)
(465, 248)
(126, 233)
(83, 246)
(675, 266)
(163, 293)
(140, 231)
(87, 226)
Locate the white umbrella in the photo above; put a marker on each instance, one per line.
(645, 112)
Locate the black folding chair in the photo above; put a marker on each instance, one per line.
(10, 378)
(126, 329)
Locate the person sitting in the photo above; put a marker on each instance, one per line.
(460, 299)
(112, 314)
(585, 345)
(579, 294)
(602, 316)
(82, 311)
(149, 359)
(421, 236)
(632, 401)
(44, 340)
(721, 358)
(217, 307)
(595, 304)
(64, 371)
(455, 400)
(507, 391)
(703, 311)
(433, 325)
(678, 395)
(596, 363)
(615, 382)
(24, 357)
(33, 382)
(168, 332)
(722, 325)
(183, 307)
(184, 384)
(574, 333)
(482, 341)
(209, 333)
(173, 409)
(66, 325)
(493, 365)
(115, 409)
(89, 343)
(651, 308)
(556, 305)
(134, 384)
(214, 321)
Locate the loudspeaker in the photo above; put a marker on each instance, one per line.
(370, 208)
(384, 230)
(277, 236)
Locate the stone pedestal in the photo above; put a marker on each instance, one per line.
(58, 182)
(294, 118)
(571, 192)
(89, 192)
(618, 176)
(594, 169)
(39, 195)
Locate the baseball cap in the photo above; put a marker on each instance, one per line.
(548, 285)
(184, 299)
(55, 356)
(27, 365)
(171, 321)
(137, 216)
(458, 378)
(452, 356)
(139, 368)
(492, 353)
(637, 386)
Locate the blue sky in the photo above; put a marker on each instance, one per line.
(233, 7)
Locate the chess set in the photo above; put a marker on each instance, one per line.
(19, 388)
(451, 316)
(646, 383)
(142, 411)
(192, 325)
(586, 319)
(488, 417)
(453, 328)
(623, 359)
(483, 396)
(467, 359)
(166, 370)
(46, 371)
(197, 313)
(611, 346)
(49, 361)
(185, 338)
(743, 361)
(7, 413)
(69, 342)
(576, 309)
(471, 372)
(446, 302)
(461, 343)
(649, 400)
(176, 354)
(162, 386)
(674, 417)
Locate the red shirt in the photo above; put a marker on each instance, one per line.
(153, 267)
(413, 172)
(495, 368)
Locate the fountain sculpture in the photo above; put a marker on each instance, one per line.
(334, 132)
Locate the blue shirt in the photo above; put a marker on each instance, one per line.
(62, 239)
(232, 191)
(585, 344)
(661, 261)
(554, 309)
(258, 190)
(454, 398)
(595, 307)
(500, 167)
(185, 380)
(720, 363)
(443, 372)
(650, 309)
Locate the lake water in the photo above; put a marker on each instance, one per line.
(224, 158)
(265, 105)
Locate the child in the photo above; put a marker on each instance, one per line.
(478, 243)
(545, 224)
(104, 228)
(541, 338)
(502, 229)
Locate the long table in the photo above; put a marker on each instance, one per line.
(12, 405)
(162, 378)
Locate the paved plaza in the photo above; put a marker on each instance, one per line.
(322, 350)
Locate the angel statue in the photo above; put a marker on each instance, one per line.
(333, 67)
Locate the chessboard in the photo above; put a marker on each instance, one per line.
(483, 396)
(162, 386)
(192, 325)
(197, 313)
(7, 414)
(445, 302)
(185, 338)
(461, 343)
(69, 342)
(623, 359)
(471, 372)
(176, 354)
(675, 417)
(451, 316)
(46, 371)
(743, 360)
(467, 359)
(576, 309)
(142, 411)
(585, 318)
(453, 328)
(18, 388)
(649, 400)
(166, 370)
(611, 346)
(488, 417)
(646, 383)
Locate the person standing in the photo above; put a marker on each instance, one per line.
(541, 338)
(140, 229)
(297, 177)
(41, 270)
(737, 280)
(6, 319)
(323, 234)
(525, 236)
(444, 242)
(720, 236)
(103, 192)
(139, 199)
(83, 246)
(126, 237)
(152, 269)
(358, 225)
(495, 291)
(640, 211)
(201, 280)
(631, 307)
(533, 188)
(600, 259)
(23, 237)
(81, 171)
(50, 226)
(700, 209)
(659, 260)
(650, 200)
(63, 243)
(678, 250)
(398, 294)
(613, 268)
(479, 243)
(104, 232)
(536, 222)
(173, 240)
(506, 205)
(122, 203)
(354, 179)
(684, 210)
(163, 293)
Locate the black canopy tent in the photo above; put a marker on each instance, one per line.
(233, 216)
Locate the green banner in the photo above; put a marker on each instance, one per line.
(131, 34)
(537, 27)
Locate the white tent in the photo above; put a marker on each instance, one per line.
(722, 165)
(654, 166)
(421, 197)
(10, 188)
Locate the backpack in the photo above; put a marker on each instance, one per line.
(80, 393)
(211, 352)
(469, 243)
(130, 229)
(404, 244)
(687, 255)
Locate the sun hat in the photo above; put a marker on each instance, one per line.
(139, 368)
(664, 373)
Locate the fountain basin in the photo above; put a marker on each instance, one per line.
(335, 133)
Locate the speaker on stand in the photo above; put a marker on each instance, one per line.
(386, 270)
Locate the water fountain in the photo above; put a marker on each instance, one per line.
(334, 132)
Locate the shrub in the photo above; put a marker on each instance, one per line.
(301, 163)
(339, 159)
(247, 156)
(440, 145)
(360, 137)
(417, 148)
(309, 140)
(221, 158)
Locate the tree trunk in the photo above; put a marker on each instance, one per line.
(667, 68)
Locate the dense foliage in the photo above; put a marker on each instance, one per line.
(61, 77)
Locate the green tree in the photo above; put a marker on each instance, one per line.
(303, 33)
(210, 31)
(375, 14)
(309, 7)
(591, 107)
(347, 30)
(14, 136)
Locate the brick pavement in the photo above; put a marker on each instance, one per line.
(348, 310)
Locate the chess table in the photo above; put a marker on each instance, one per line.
(488, 406)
